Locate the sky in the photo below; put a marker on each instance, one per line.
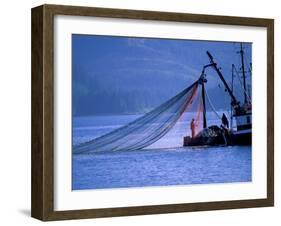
(146, 71)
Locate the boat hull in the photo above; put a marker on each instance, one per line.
(214, 136)
(241, 137)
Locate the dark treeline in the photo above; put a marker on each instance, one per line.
(121, 94)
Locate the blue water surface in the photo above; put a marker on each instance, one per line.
(155, 165)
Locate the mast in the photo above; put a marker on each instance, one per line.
(204, 106)
(203, 80)
(234, 100)
(243, 73)
(232, 89)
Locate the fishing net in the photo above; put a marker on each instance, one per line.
(145, 130)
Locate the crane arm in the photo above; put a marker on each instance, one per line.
(214, 66)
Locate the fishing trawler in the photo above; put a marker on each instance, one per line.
(155, 124)
(240, 112)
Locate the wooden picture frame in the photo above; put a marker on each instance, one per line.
(42, 204)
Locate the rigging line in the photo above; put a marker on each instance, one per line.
(248, 63)
(212, 106)
(249, 98)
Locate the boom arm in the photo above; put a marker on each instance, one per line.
(214, 65)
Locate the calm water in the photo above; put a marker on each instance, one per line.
(155, 165)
